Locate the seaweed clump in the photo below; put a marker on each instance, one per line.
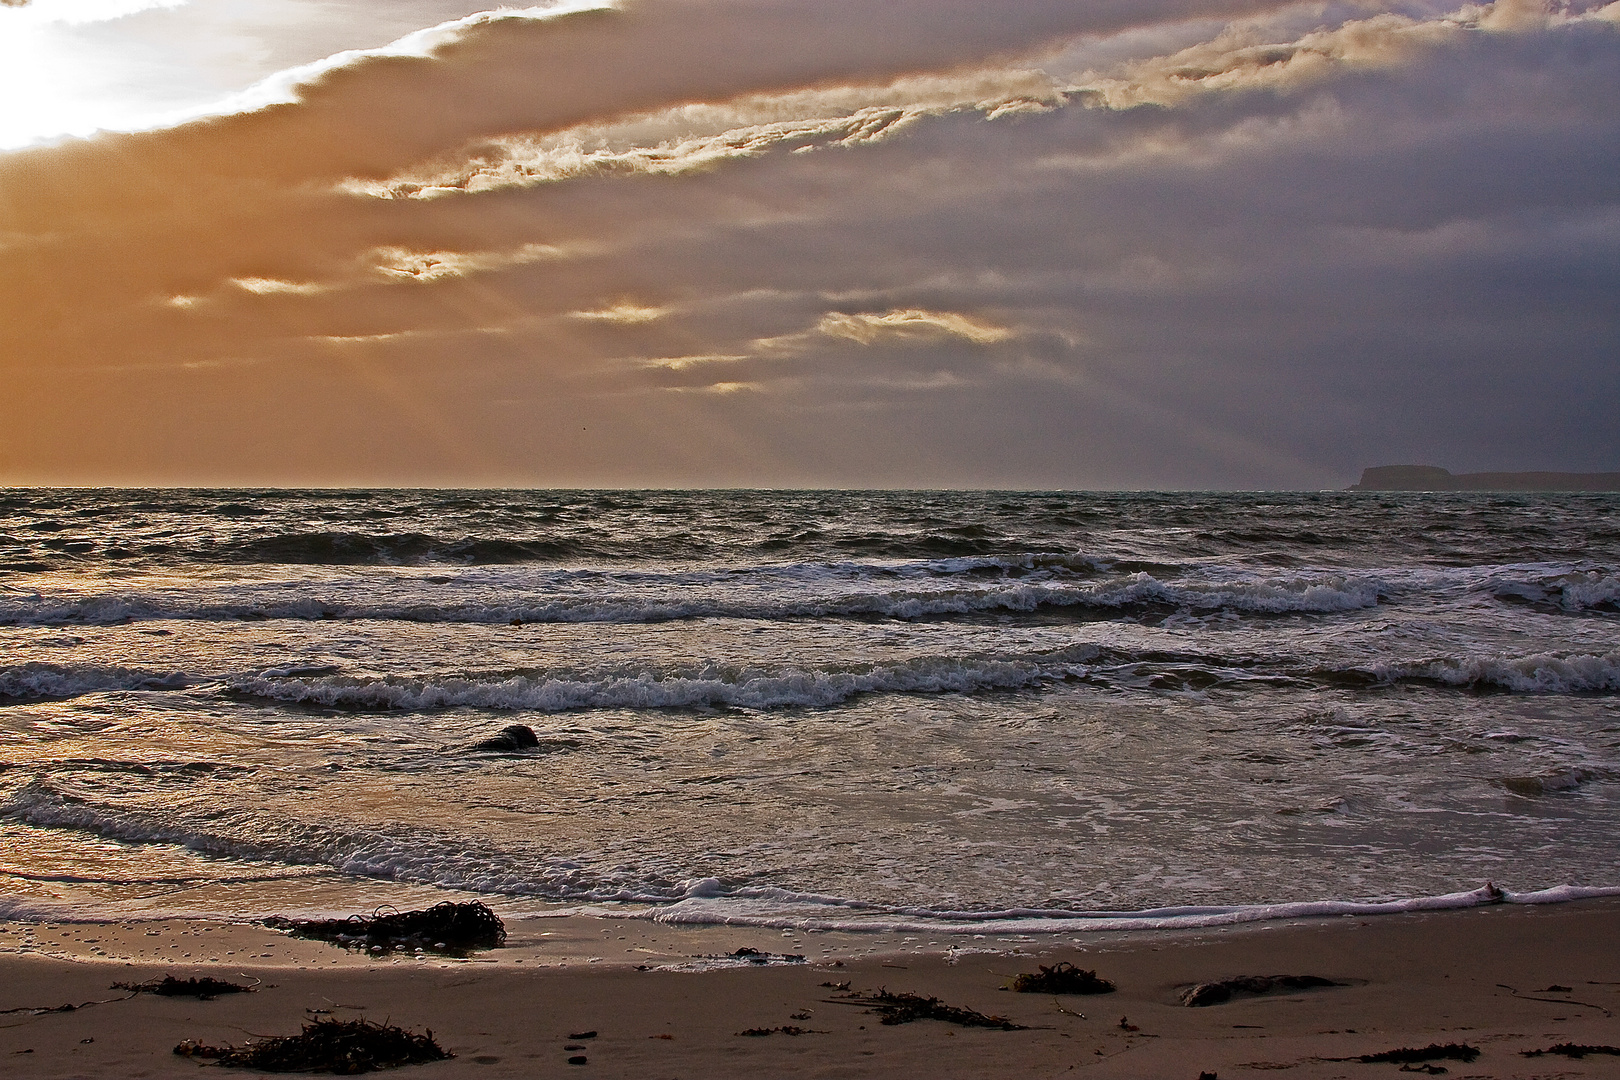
(1213, 993)
(1573, 1050)
(1061, 978)
(904, 1008)
(1406, 1055)
(345, 1047)
(204, 989)
(450, 928)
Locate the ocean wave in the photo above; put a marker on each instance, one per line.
(719, 686)
(669, 599)
(34, 909)
(1541, 673)
(411, 857)
(41, 681)
(712, 687)
(758, 686)
(778, 909)
(1555, 782)
(1591, 592)
(419, 857)
(397, 549)
(357, 547)
(1578, 591)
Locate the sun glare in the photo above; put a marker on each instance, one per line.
(67, 76)
(74, 67)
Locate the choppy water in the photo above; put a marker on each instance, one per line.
(910, 708)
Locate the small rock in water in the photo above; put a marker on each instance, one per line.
(515, 737)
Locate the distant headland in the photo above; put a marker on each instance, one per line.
(1434, 478)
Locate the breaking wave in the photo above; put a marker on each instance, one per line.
(715, 687)
(781, 595)
(39, 681)
(402, 549)
(417, 858)
(1049, 584)
(1541, 673)
(758, 686)
(777, 908)
(755, 687)
(1578, 591)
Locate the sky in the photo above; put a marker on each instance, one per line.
(806, 243)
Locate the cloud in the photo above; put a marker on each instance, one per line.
(727, 241)
(693, 136)
(395, 265)
(910, 325)
(76, 12)
(1244, 57)
(718, 388)
(681, 363)
(399, 263)
(263, 286)
(625, 312)
(690, 136)
(291, 85)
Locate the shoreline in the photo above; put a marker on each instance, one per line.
(1485, 976)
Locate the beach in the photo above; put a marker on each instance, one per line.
(1486, 977)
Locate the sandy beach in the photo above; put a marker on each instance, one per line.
(1503, 979)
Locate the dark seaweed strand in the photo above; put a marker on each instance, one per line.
(1573, 1050)
(345, 1047)
(1432, 1052)
(904, 1008)
(169, 986)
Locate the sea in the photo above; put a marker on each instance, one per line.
(947, 711)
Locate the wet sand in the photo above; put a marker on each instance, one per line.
(660, 1010)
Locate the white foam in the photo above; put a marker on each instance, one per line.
(674, 597)
(38, 680)
(404, 856)
(748, 688)
(34, 910)
(1572, 589)
(1585, 592)
(792, 914)
(1539, 673)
